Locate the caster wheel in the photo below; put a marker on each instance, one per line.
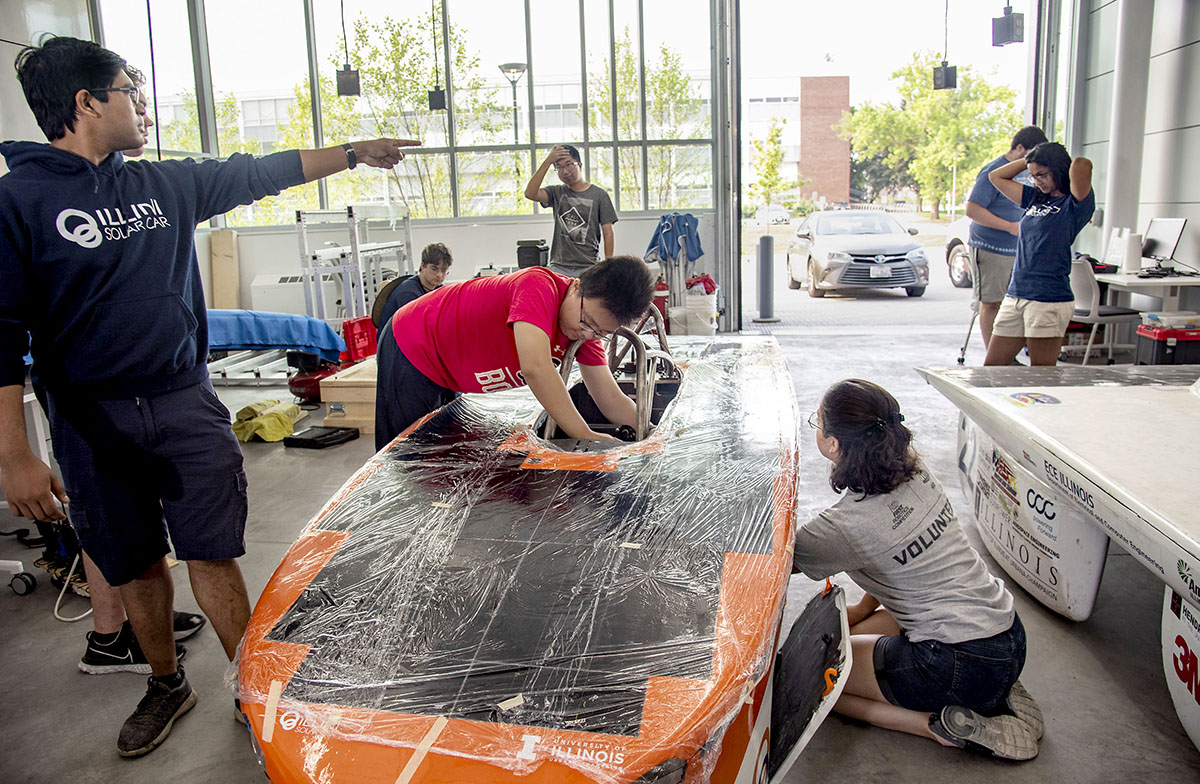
(23, 584)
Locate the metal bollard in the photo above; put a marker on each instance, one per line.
(766, 285)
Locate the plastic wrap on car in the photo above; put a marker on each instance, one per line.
(601, 619)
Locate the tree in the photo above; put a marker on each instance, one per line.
(765, 162)
(679, 176)
(184, 135)
(932, 133)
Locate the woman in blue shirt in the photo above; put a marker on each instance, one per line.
(1038, 304)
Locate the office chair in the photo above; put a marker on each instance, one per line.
(1088, 309)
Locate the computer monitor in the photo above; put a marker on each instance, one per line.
(1162, 237)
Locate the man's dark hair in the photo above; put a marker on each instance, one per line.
(436, 253)
(54, 72)
(874, 446)
(1054, 157)
(570, 148)
(622, 284)
(1028, 137)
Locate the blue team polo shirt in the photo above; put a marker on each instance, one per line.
(985, 195)
(1042, 271)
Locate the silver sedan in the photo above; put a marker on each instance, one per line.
(851, 249)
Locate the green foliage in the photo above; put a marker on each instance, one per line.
(930, 131)
(680, 176)
(765, 162)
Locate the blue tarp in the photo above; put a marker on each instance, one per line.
(251, 329)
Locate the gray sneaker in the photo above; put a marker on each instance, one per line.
(151, 722)
(1022, 705)
(1006, 737)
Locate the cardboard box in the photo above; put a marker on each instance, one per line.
(350, 397)
(226, 282)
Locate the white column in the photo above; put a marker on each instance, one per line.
(1131, 74)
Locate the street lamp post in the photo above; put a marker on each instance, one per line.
(513, 73)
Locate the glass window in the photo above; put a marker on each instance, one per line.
(629, 69)
(171, 89)
(556, 75)
(678, 63)
(680, 176)
(598, 38)
(490, 106)
(269, 92)
(397, 52)
(629, 194)
(493, 183)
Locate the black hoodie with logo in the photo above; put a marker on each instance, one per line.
(98, 273)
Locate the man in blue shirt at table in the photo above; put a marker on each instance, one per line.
(435, 263)
(993, 240)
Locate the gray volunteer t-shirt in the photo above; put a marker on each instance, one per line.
(907, 550)
(578, 216)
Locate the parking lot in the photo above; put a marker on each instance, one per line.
(943, 309)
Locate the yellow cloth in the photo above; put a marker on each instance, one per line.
(273, 424)
(254, 409)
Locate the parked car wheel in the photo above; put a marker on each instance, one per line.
(959, 266)
(914, 291)
(792, 282)
(813, 290)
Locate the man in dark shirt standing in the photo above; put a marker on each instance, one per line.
(583, 213)
(993, 240)
(435, 263)
(102, 286)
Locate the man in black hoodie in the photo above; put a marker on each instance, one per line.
(99, 282)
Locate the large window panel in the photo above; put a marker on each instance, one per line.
(601, 170)
(598, 39)
(678, 64)
(484, 35)
(557, 82)
(422, 181)
(262, 103)
(680, 176)
(171, 87)
(629, 69)
(396, 49)
(493, 183)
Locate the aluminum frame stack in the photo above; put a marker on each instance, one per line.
(359, 266)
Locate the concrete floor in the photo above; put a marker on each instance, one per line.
(1100, 682)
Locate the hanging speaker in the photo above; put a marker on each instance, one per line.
(945, 77)
(347, 81)
(437, 99)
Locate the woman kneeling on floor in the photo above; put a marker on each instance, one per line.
(942, 660)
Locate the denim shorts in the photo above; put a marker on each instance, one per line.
(140, 469)
(929, 675)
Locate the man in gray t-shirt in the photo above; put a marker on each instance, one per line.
(583, 213)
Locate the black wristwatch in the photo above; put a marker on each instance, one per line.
(351, 157)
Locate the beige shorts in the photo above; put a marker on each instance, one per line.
(990, 273)
(1025, 318)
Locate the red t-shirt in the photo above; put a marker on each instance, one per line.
(460, 336)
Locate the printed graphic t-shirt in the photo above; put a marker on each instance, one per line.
(1042, 271)
(460, 336)
(907, 550)
(578, 217)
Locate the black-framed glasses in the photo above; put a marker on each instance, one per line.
(586, 323)
(134, 93)
(561, 166)
(814, 420)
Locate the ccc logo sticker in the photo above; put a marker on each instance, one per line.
(85, 234)
(1042, 506)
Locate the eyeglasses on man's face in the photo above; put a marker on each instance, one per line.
(564, 166)
(586, 322)
(134, 93)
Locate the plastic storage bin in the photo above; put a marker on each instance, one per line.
(1161, 346)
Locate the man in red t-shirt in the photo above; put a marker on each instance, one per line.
(489, 334)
